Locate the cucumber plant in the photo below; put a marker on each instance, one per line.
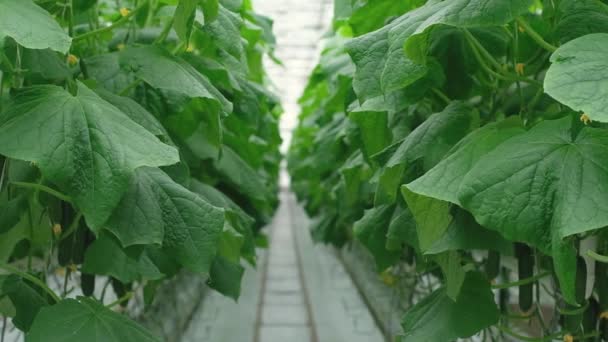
(466, 140)
(138, 138)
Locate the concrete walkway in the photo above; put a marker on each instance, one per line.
(301, 292)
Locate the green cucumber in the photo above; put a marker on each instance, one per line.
(601, 289)
(525, 270)
(572, 322)
(87, 284)
(492, 265)
(590, 318)
(121, 289)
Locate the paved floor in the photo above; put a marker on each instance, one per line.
(283, 308)
(301, 292)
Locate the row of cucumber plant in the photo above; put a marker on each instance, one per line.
(464, 144)
(138, 138)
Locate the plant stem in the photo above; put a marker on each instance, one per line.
(31, 278)
(120, 300)
(70, 4)
(535, 36)
(482, 49)
(3, 329)
(486, 67)
(118, 23)
(521, 282)
(597, 257)
(43, 188)
(441, 95)
(526, 338)
(165, 32)
(130, 87)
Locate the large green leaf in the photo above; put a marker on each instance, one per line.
(443, 181)
(134, 111)
(437, 318)
(432, 217)
(578, 76)
(31, 26)
(81, 143)
(538, 187)
(426, 145)
(579, 18)
(464, 233)
(85, 319)
(373, 127)
(371, 230)
(155, 209)
(25, 298)
(162, 70)
(382, 64)
(127, 265)
(184, 18)
(225, 277)
(11, 213)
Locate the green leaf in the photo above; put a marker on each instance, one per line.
(402, 231)
(579, 18)
(44, 63)
(160, 69)
(10, 213)
(127, 265)
(426, 145)
(81, 143)
(375, 134)
(134, 111)
(443, 181)
(85, 319)
(41, 30)
(464, 233)
(578, 76)
(225, 32)
(437, 318)
(382, 64)
(105, 69)
(540, 187)
(244, 179)
(371, 230)
(210, 9)
(26, 300)
(432, 217)
(226, 277)
(453, 272)
(157, 210)
(184, 18)
(198, 128)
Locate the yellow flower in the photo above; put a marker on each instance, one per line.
(585, 119)
(120, 46)
(57, 229)
(72, 60)
(568, 338)
(519, 68)
(125, 11)
(388, 278)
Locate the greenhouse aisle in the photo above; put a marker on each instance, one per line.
(300, 292)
